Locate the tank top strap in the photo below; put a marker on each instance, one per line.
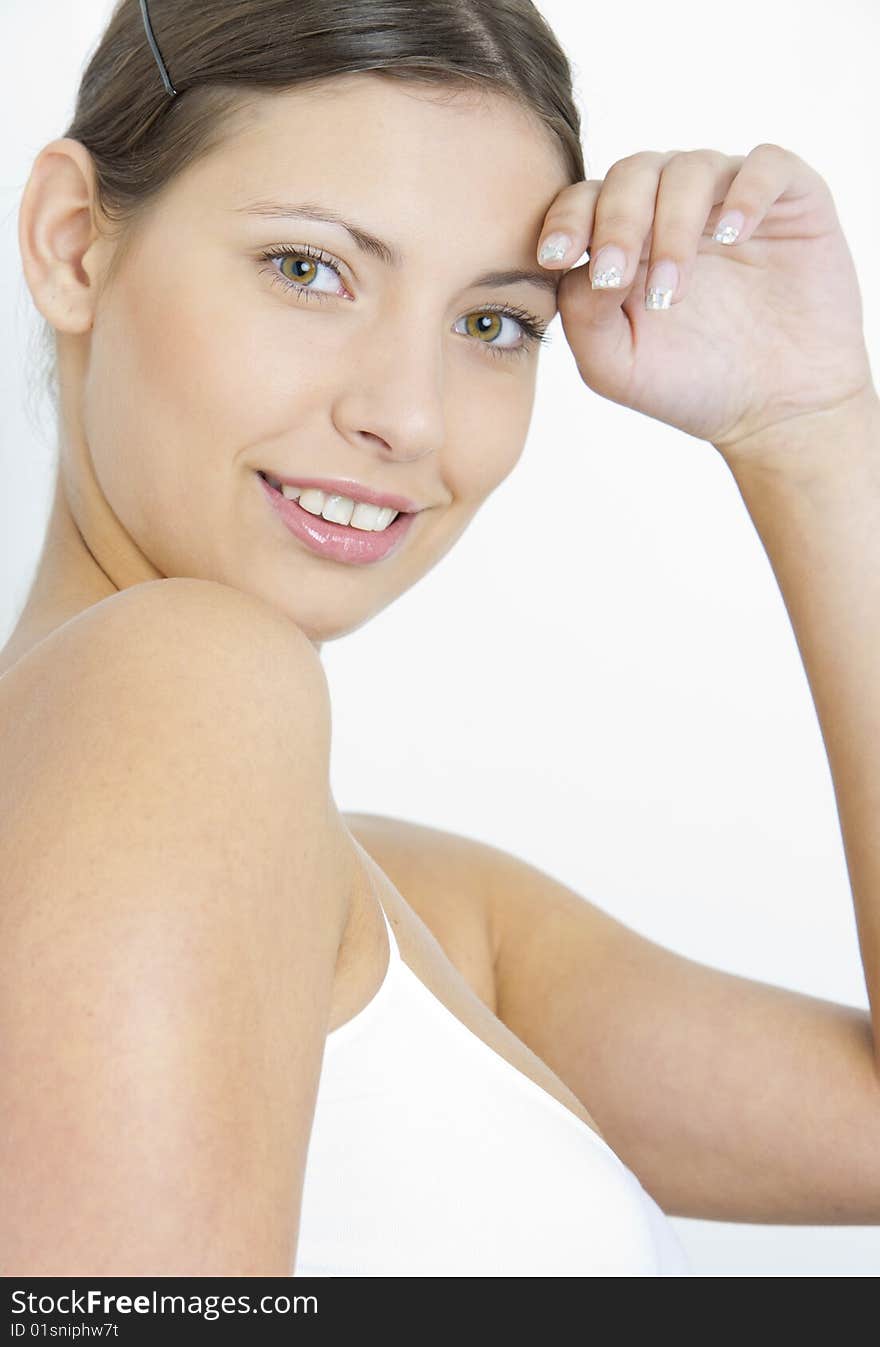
(392, 938)
(369, 866)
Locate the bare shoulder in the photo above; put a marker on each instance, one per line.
(176, 884)
(170, 620)
(154, 655)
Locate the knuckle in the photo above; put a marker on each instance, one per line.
(621, 166)
(699, 158)
(617, 227)
(640, 159)
(768, 147)
(568, 195)
(674, 229)
(613, 218)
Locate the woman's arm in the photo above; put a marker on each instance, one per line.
(759, 349)
(175, 885)
(812, 489)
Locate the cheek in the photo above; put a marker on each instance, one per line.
(188, 375)
(202, 349)
(491, 423)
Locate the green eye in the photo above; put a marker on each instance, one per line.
(483, 325)
(289, 264)
(502, 331)
(298, 268)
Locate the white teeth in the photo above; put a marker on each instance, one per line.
(312, 500)
(338, 509)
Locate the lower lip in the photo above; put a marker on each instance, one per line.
(338, 542)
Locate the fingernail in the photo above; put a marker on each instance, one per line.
(554, 248)
(662, 284)
(608, 267)
(729, 227)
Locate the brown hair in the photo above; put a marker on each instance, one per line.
(217, 52)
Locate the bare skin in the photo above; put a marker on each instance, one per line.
(193, 365)
(193, 369)
(225, 373)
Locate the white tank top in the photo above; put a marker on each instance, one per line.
(431, 1155)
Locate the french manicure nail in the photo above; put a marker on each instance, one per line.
(608, 268)
(554, 248)
(662, 284)
(729, 227)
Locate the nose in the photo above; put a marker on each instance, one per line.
(391, 401)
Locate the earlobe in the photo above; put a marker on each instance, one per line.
(56, 233)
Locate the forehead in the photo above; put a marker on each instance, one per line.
(401, 144)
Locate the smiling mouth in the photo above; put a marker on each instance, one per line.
(361, 516)
(358, 542)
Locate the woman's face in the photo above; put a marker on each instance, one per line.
(210, 363)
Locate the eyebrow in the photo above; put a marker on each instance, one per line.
(386, 252)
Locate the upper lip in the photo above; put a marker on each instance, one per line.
(356, 491)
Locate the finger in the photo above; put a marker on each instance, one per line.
(568, 223)
(623, 218)
(766, 174)
(691, 183)
(617, 219)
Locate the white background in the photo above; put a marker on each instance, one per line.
(601, 677)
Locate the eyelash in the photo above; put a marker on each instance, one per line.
(535, 329)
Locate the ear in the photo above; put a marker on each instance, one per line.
(62, 250)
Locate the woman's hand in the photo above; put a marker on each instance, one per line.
(760, 329)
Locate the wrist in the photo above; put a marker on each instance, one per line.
(810, 443)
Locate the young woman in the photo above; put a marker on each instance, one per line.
(296, 262)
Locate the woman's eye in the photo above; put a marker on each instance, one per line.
(301, 270)
(501, 331)
(487, 326)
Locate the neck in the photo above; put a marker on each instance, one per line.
(68, 580)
